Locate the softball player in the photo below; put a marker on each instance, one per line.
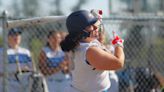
(19, 63)
(53, 64)
(90, 60)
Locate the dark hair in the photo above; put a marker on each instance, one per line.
(49, 35)
(71, 41)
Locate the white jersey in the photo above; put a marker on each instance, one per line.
(84, 77)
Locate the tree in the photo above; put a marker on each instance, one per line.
(78, 5)
(16, 8)
(30, 7)
(161, 6)
(57, 9)
(0, 2)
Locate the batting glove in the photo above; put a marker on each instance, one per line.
(117, 41)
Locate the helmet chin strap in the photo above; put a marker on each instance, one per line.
(85, 34)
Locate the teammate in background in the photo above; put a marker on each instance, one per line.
(91, 61)
(63, 34)
(159, 80)
(53, 63)
(19, 63)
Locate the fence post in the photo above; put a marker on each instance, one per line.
(5, 73)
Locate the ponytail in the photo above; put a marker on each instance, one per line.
(70, 42)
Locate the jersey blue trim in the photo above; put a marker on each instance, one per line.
(54, 62)
(22, 58)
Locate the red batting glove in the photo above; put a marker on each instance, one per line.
(117, 41)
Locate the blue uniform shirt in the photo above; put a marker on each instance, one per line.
(21, 55)
(54, 58)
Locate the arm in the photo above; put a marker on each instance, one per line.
(160, 78)
(31, 64)
(71, 63)
(28, 66)
(103, 60)
(67, 65)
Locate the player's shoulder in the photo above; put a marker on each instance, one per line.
(24, 50)
(46, 49)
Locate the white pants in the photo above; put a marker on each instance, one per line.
(14, 85)
(57, 86)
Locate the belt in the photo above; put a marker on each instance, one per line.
(13, 76)
(57, 80)
(14, 73)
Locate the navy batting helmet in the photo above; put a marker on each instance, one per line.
(79, 20)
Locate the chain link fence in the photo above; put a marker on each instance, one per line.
(143, 36)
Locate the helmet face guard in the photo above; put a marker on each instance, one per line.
(85, 34)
